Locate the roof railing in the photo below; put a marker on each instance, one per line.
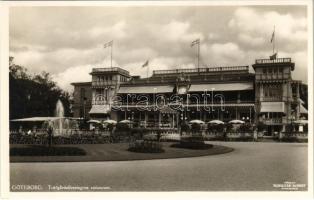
(269, 61)
(196, 70)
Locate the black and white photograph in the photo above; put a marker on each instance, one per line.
(164, 97)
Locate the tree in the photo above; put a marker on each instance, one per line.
(34, 95)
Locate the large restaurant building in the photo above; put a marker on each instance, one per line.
(169, 97)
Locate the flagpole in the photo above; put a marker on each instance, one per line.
(111, 53)
(274, 41)
(198, 54)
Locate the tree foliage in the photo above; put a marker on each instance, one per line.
(34, 95)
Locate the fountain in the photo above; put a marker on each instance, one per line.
(60, 114)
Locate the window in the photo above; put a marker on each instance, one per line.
(270, 70)
(280, 70)
(264, 71)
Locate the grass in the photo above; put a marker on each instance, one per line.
(191, 145)
(119, 152)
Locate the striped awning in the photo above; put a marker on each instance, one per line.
(146, 89)
(221, 87)
(272, 107)
(99, 109)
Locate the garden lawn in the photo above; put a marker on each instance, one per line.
(115, 152)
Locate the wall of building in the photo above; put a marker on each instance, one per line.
(82, 91)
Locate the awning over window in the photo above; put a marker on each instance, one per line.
(272, 107)
(146, 89)
(99, 109)
(221, 87)
(303, 110)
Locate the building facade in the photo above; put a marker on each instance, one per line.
(170, 97)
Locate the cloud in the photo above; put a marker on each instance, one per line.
(262, 23)
(250, 40)
(221, 54)
(73, 74)
(69, 40)
(179, 31)
(119, 30)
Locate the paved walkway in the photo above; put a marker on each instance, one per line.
(252, 166)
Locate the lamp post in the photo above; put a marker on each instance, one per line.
(292, 118)
(84, 105)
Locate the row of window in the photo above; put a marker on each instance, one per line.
(272, 90)
(123, 79)
(104, 78)
(273, 70)
(110, 78)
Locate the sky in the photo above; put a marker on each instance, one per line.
(68, 42)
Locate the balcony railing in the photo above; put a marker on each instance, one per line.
(273, 121)
(269, 61)
(272, 76)
(195, 70)
(103, 83)
(111, 69)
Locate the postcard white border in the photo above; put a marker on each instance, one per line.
(4, 109)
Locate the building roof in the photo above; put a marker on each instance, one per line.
(81, 83)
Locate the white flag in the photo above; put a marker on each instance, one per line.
(195, 42)
(108, 44)
(145, 64)
(272, 37)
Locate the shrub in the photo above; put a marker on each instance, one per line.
(146, 146)
(192, 142)
(229, 127)
(185, 127)
(196, 128)
(246, 128)
(139, 132)
(110, 127)
(122, 127)
(261, 127)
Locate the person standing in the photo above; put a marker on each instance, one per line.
(50, 131)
